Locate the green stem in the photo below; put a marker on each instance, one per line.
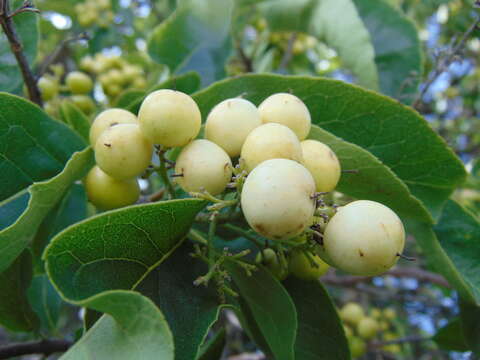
(211, 237)
(244, 233)
(195, 236)
(162, 171)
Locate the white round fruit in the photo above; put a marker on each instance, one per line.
(270, 141)
(277, 199)
(109, 118)
(123, 152)
(364, 238)
(204, 166)
(230, 122)
(107, 193)
(169, 118)
(288, 110)
(322, 163)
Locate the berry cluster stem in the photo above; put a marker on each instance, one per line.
(162, 171)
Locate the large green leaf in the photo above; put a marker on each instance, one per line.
(75, 117)
(46, 303)
(389, 130)
(15, 311)
(271, 308)
(33, 147)
(43, 198)
(190, 310)
(212, 349)
(117, 249)
(470, 317)
(192, 39)
(374, 180)
(69, 210)
(450, 337)
(320, 332)
(26, 27)
(459, 234)
(133, 329)
(132, 99)
(398, 54)
(337, 22)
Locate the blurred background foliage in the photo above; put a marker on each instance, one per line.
(425, 53)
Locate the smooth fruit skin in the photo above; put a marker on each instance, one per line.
(205, 166)
(79, 83)
(276, 199)
(364, 238)
(169, 118)
(107, 193)
(322, 163)
(123, 152)
(357, 346)
(84, 103)
(109, 118)
(270, 141)
(288, 110)
(271, 262)
(352, 313)
(367, 328)
(230, 122)
(48, 88)
(300, 266)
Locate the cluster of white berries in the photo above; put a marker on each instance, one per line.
(285, 171)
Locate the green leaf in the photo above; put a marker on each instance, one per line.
(43, 198)
(337, 22)
(374, 180)
(12, 208)
(46, 303)
(192, 39)
(75, 117)
(438, 260)
(190, 310)
(213, 347)
(271, 308)
(470, 316)
(320, 332)
(26, 27)
(450, 337)
(70, 210)
(33, 147)
(397, 48)
(389, 130)
(459, 234)
(135, 329)
(16, 313)
(117, 249)
(187, 83)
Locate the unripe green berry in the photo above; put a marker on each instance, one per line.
(230, 122)
(288, 110)
(357, 346)
(270, 141)
(367, 328)
(123, 152)
(48, 87)
(84, 103)
(204, 166)
(276, 199)
(271, 261)
(300, 266)
(169, 118)
(107, 193)
(109, 118)
(322, 163)
(364, 238)
(79, 82)
(389, 314)
(352, 313)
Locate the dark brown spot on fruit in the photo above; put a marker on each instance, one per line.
(107, 145)
(259, 227)
(360, 252)
(114, 123)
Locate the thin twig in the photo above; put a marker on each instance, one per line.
(246, 61)
(287, 56)
(8, 27)
(444, 62)
(53, 57)
(45, 347)
(406, 339)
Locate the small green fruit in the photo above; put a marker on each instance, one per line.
(367, 328)
(271, 262)
(300, 266)
(84, 103)
(79, 83)
(48, 87)
(357, 346)
(352, 313)
(107, 193)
